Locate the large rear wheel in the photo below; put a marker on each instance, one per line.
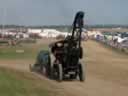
(81, 72)
(60, 72)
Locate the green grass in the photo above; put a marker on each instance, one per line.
(13, 83)
(30, 51)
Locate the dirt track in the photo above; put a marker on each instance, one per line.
(106, 73)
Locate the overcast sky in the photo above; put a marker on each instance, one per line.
(55, 12)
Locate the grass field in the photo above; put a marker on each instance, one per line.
(13, 83)
(29, 51)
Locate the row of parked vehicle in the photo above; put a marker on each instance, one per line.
(113, 39)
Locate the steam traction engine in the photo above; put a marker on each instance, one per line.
(68, 53)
